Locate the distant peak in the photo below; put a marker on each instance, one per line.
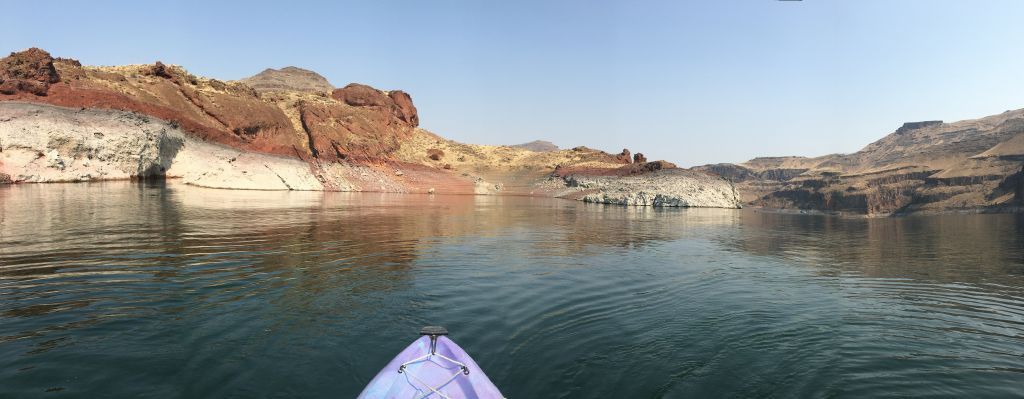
(538, 146)
(289, 78)
(296, 69)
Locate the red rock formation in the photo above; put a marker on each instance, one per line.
(404, 108)
(361, 134)
(639, 158)
(397, 102)
(30, 71)
(69, 61)
(159, 70)
(652, 166)
(624, 156)
(358, 95)
(231, 118)
(368, 126)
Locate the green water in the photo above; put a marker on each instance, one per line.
(126, 290)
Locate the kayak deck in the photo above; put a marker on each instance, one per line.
(433, 366)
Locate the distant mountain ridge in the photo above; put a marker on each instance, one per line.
(927, 166)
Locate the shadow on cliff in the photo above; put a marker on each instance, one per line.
(168, 148)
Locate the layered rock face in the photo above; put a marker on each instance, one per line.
(368, 125)
(44, 143)
(284, 129)
(233, 113)
(926, 166)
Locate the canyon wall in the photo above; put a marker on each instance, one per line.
(930, 167)
(287, 129)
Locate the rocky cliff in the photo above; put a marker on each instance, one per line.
(930, 166)
(285, 129)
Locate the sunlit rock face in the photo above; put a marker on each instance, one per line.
(285, 129)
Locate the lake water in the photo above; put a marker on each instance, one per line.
(169, 291)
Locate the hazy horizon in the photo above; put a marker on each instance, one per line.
(689, 82)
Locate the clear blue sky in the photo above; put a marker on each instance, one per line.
(689, 81)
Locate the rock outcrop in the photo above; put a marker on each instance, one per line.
(404, 108)
(624, 156)
(30, 71)
(358, 134)
(916, 125)
(397, 102)
(644, 167)
(158, 69)
(665, 188)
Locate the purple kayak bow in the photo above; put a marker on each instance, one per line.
(432, 367)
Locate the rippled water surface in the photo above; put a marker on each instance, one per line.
(127, 290)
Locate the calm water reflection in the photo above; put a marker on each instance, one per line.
(122, 290)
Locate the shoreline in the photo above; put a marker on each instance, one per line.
(996, 210)
(42, 143)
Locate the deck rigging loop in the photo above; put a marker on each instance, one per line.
(433, 357)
